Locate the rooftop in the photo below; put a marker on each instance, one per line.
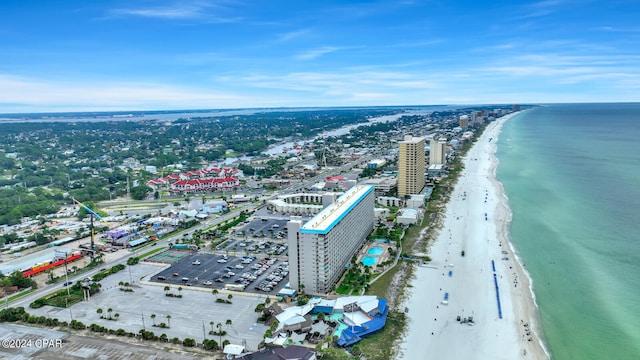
(324, 221)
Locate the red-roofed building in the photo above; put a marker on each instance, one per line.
(206, 184)
(335, 178)
(207, 179)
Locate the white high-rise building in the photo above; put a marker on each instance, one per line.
(437, 151)
(320, 249)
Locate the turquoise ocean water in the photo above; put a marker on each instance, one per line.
(572, 175)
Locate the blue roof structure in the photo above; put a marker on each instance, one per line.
(139, 241)
(353, 334)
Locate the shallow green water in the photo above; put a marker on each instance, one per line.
(570, 172)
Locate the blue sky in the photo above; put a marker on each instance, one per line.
(143, 55)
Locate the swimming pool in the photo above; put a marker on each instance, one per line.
(369, 261)
(375, 251)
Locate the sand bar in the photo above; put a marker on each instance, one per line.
(476, 221)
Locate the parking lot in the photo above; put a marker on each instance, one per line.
(190, 316)
(254, 275)
(264, 228)
(254, 247)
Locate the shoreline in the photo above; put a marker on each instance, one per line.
(488, 283)
(529, 300)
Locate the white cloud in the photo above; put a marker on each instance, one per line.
(315, 53)
(28, 94)
(292, 35)
(539, 9)
(181, 10)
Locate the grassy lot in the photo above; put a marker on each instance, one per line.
(382, 345)
(152, 252)
(383, 282)
(20, 294)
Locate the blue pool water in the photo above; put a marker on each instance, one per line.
(338, 331)
(369, 261)
(375, 251)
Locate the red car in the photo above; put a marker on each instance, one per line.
(176, 274)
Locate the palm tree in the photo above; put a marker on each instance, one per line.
(166, 289)
(230, 297)
(109, 310)
(219, 326)
(215, 293)
(180, 290)
(153, 318)
(99, 311)
(228, 323)
(267, 301)
(211, 323)
(168, 320)
(116, 315)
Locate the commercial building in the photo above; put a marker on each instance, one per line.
(320, 249)
(376, 163)
(301, 203)
(383, 185)
(411, 164)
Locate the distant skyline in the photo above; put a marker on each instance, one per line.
(198, 54)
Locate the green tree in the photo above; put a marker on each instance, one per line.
(140, 192)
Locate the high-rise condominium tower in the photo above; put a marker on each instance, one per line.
(411, 163)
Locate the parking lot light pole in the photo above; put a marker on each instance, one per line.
(204, 334)
(66, 274)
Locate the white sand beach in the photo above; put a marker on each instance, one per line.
(477, 221)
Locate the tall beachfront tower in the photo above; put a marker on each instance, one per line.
(464, 122)
(411, 163)
(438, 151)
(320, 249)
